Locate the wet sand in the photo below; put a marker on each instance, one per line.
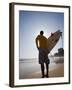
(56, 72)
(32, 69)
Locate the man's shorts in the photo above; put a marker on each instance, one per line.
(43, 56)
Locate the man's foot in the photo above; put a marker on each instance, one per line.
(47, 76)
(42, 76)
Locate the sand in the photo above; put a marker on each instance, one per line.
(32, 70)
(56, 72)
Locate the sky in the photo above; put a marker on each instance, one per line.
(30, 25)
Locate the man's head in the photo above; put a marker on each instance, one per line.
(41, 32)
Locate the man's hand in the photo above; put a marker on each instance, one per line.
(48, 51)
(38, 48)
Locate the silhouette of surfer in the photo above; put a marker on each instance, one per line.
(41, 43)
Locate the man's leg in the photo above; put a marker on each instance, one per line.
(42, 70)
(47, 68)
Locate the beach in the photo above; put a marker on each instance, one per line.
(29, 68)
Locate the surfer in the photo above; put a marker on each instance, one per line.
(41, 43)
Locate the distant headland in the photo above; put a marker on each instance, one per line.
(60, 52)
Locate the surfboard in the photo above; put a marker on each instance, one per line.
(53, 40)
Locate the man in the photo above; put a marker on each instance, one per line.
(41, 43)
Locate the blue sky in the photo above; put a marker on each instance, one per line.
(30, 25)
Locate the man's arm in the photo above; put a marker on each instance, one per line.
(37, 42)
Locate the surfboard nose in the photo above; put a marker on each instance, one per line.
(60, 32)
